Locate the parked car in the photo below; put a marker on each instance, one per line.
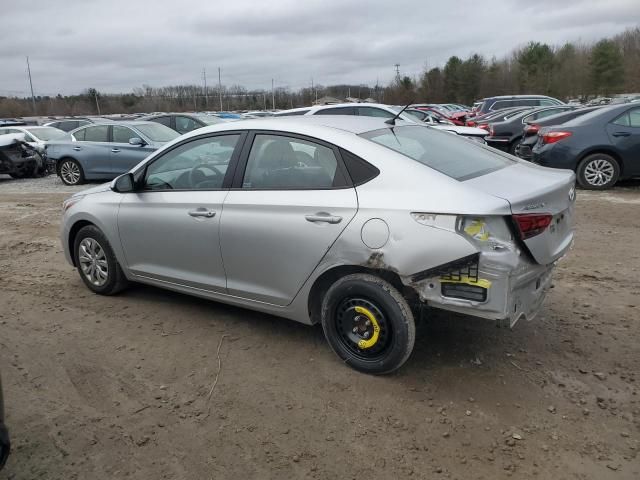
(68, 124)
(381, 111)
(105, 151)
(10, 122)
(5, 444)
(531, 129)
(433, 120)
(326, 219)
(483, 121)
(498, 103)
(506, 135)
(457, 118)
(184, 122)
(37, 137)
(601, 147)
(19, 159)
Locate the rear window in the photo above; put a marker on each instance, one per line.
(442, 151)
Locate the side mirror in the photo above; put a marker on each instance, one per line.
(123, 184)
(137, 141)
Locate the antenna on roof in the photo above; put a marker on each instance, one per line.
(392, 121)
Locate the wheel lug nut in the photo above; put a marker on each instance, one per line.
(366, 335)
(355, 330)
(368, 323)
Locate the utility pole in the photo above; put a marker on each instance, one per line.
(312, 90)
(264, 98)
(206, 94)
(397, 65)
(220, 87)
(273, 96)
(95, 95)
(33, 98)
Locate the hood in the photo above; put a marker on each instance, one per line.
(104, 187)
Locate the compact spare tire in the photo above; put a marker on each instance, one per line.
(598, 171)
(96, 262)
(368, 323)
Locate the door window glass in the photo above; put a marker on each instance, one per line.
(98, 133)
(123, 134)
(337, 111)
(630, 118)
(197, 165)
(278, 162)
(186, 124)
(162, 120)
(374, 112)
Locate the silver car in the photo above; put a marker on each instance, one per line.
(356, 223)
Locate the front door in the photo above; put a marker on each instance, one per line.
(283, 215)
(170, 227)
(125, 156)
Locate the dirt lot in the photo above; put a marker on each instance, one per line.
(118, 387)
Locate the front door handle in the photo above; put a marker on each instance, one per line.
(621, 134)
(77, 149)
(323, 217)
(202, 212)
(115, 150)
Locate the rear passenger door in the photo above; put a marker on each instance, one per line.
(290, 201)
(93, 150)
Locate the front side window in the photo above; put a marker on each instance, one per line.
(97, 133)
(278, 162)
(122, 134)
(441, 151)
(186, 124)
(196, 165)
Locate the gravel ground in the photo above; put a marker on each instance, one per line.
(121, 387)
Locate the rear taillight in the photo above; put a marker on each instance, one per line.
(484, 126)
(491, 131)
(532, 224)
(532, 129)
(553, 137)
(471, 123)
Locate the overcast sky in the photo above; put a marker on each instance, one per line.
(116, 45)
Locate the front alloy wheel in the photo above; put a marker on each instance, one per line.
(93, 262)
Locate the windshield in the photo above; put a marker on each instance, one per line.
(46, 133)
(209, 119)
(157, 132)
(455, 157)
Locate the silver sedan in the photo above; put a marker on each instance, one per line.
(355, 223)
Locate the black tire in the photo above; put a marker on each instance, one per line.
(380, 305)
(75, 175)
(115, 278)
(513, 146)
(598, 171)
(25, 172)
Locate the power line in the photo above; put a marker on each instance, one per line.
(33, 97)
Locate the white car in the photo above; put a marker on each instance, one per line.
(382, 111)
(37, 137)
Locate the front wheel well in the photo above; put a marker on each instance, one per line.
(75, 228)
(328, 278)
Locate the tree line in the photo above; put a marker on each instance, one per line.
(572, 70)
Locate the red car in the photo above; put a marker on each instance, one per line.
(457, 118)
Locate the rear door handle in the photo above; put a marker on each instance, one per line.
(323, 217)
(115, 150)
(621, 134)
(77, 149)
(202, 212)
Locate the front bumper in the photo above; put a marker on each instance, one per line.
(509, 292)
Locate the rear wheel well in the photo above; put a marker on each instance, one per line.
(605, 151)
(72, 236)
(328, 278)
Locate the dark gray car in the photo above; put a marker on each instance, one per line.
(105, 151)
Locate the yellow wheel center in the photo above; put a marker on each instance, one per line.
(368, 343)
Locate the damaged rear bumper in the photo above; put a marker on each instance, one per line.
(486, 289)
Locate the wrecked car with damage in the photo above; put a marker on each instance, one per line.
(354, 223)
(19, 159)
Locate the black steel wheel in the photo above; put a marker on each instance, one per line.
(368, 323)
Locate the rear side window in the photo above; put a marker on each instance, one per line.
(337, 111)
(359, 170)
(98, 133)
(374, 112)
(441, 151)
(630, 118)
(291, 114)
(280, 162)
(79, 135)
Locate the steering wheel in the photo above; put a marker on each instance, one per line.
(194, 182)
